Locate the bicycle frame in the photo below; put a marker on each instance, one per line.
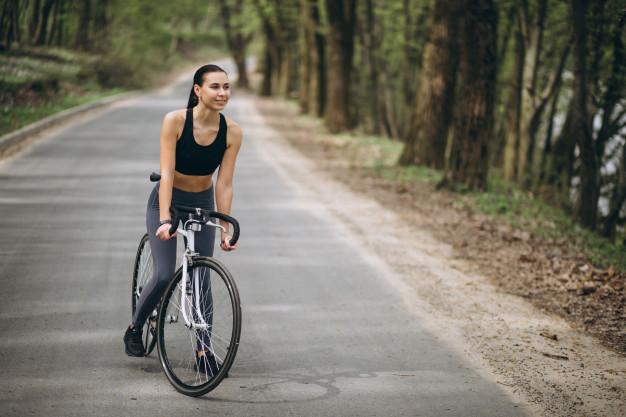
(190, 253)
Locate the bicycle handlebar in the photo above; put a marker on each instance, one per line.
(205, 214)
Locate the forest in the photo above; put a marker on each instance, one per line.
(527, 91)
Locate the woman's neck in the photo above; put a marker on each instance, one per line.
(205, 115)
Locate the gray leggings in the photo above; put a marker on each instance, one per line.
(164, 251)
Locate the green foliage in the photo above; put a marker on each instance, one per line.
(523, 210)
(503, 200)
(15, 117)
(148, 37)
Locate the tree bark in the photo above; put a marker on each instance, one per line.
(561, 161)
(370, 44)
(42, 28)
(82, 40)
(341, 18)
(100, 24)
(617, 200)
(426, 140)
(587, 205)
(473, 125)
(312, 67)
(237, 42)
(511, 149)
(34, 19)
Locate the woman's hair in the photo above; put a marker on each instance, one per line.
(198, 78)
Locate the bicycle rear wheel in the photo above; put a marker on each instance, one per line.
(195, 360)
(142, 272)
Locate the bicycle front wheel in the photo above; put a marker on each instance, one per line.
(199, 325)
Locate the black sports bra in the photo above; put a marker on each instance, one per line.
(195, 159)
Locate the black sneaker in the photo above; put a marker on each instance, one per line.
(133, 342)
(207, 365)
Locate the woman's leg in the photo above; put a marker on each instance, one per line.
(164, 264)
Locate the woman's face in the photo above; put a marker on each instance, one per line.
(215, 90)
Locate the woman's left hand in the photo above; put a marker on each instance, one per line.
(225, 245)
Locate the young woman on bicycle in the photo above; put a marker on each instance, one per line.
(193, 143)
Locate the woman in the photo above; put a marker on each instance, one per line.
(194, 142)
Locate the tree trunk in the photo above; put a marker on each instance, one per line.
(307, 53)
(100, 23)
(341, 18)
(561, 161)
(426, 140)
(236, 40)
(34, 20)
(412, 30)
(55, 25)
(239, 56)
(618, 198)
(587, 205)
(42, 28)
(318, 96)
(515, 111)
(533, 29)
(473, 125)
(82, 40)
(313, 87)
(369, 34)
(547, 144)
(267, 68)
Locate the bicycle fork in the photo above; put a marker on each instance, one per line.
(188, 305)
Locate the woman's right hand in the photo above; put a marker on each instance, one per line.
(163, 232)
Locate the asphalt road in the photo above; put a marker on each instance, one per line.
(323, 334)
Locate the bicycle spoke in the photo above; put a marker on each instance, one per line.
(194, 356)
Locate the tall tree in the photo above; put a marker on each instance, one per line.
(83, 40)
(426, 140)
(34, 19)
(280, 60)
(313, 69)
(587, 206)
(369, 39)
(341, 19)
(473, 120)
(530, 100)
(42, 27)
(238, 35)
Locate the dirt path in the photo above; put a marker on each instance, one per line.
(538, 357)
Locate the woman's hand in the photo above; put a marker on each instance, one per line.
(225, 245)
(163, 232)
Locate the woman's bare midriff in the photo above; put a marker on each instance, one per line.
(192, 183)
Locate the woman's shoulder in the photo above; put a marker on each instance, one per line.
(234, 132)
(175, 116)
(233, 127)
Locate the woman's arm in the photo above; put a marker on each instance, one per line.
(224, 183)
(169, 130)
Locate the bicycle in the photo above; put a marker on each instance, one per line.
(200, 310)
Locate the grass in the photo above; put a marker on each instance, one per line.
(503, 200)
(15, 117)
(38, 82)
(523, 210)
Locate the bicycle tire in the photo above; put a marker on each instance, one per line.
(142, 272)
(222, 304)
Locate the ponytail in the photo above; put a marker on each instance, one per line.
(198, 78)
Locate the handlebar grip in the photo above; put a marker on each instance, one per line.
(175, 220)
(230, 220)
(154, 177)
